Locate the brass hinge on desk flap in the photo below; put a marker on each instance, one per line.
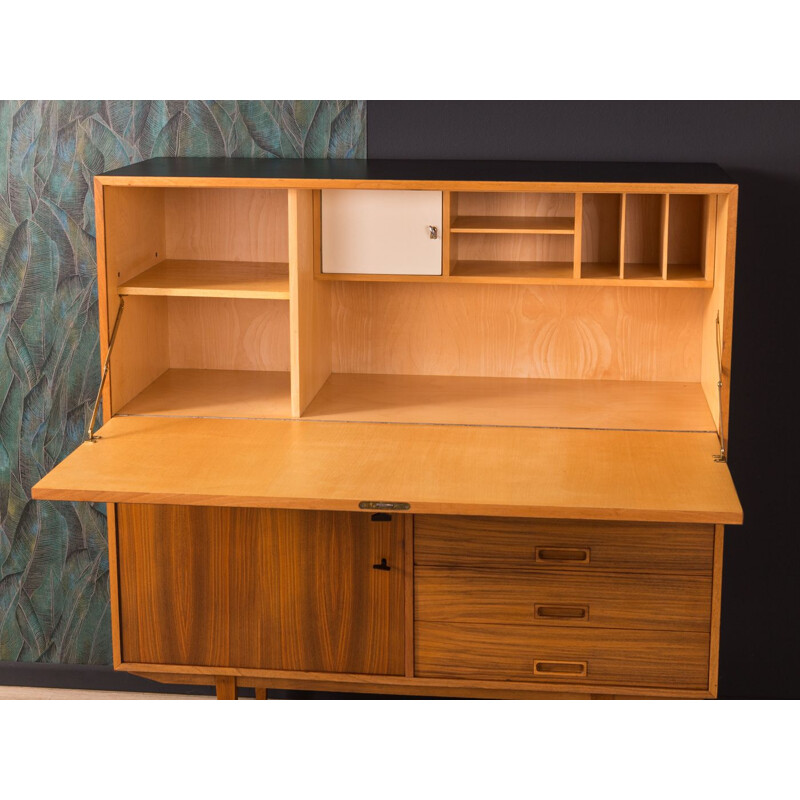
(90, 430)
(723, 456)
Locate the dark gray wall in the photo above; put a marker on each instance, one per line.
(758, 144)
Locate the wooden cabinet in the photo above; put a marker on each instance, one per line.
(443, 428)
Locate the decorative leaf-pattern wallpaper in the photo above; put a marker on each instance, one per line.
(54, 597)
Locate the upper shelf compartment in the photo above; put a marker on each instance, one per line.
(597, 238)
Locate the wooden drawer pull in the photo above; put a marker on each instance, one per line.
(571, 555)
(574, 669)
(574, 613)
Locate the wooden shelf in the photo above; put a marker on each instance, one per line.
(221, 393)
(643, 272)
(687, 272)
(512, 271)
(232, 279)
(488, 224)
(434, 399)
(592, 272)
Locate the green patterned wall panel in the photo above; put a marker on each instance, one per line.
(54, 599)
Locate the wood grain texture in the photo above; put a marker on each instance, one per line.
(643, 221)
(226, 688)
(720, 301)
(411, 686)
(516, 205)
(408, 521)
(614, 657)
(498, 543)
(242, 279)
(531, 472)
(716, 608)
(517, 331)
(104, 322)
(512, 246)
(252, 588)
(113, 584)
(628, 405)
(686, 238)
(310, 306)
(133, 222)
(216, 333)
(521, 225)
(249, 224)
(243, 394)
(547, 597)
(600, 228)
(513, 272)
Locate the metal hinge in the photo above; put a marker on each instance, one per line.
(90, 430)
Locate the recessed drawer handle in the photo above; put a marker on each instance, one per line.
(575, 669)
(574, 613)
(571, 555)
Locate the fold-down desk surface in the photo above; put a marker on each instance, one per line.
(534, 472)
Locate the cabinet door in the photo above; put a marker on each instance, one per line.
(260, 588)
(381, 232)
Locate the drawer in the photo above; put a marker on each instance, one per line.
(666, 659)
(577, 545)
(546, 597)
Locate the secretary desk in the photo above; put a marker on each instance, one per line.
(416, 427)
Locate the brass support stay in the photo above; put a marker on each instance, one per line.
(723, 456)
(90, 430)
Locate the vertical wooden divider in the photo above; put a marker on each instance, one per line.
(578, 238)
(664, 235)
(709, 231)
(309, 303)
(408, 598)
(623, 210)
(446, 222)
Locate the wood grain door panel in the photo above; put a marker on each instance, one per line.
(260, 588)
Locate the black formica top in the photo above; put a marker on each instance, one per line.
(414, 170)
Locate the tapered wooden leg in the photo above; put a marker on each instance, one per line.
(261, 694)
(226, 688)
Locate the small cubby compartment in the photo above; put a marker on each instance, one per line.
(690, 241)
(644, 235)
(512, 256)
(204, 277)
(512, 212)
(511, 236)
(600, 236)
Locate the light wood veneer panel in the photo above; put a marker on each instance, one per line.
(245, 394)
(546, 597)
(133, 238)
(573, 332)
(217, 333)
(247, 280)
(667, 659)
(535, 472)
(227, 224)
(640, 405)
